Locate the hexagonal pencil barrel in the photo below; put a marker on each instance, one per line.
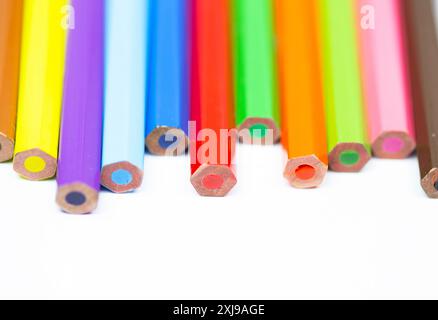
(348, 145)
(40, 89)
(11, 14)
(423, 55)
(301, 99)
(81, 126)
(168, 91)
(212, 140)
(124, 95)
(257, 114)
(386, 84)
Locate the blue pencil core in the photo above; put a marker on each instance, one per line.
(121, 177)
(166, 141)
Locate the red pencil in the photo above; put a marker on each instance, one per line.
(212, 131)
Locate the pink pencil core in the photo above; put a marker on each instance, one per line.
(393, 145)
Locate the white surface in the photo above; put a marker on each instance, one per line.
(367, 235)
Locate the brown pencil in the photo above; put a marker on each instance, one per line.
(423, 55)
(10, 41)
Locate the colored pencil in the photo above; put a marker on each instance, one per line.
(124, 95)
(11, 14)
(385, 71)
(301, 99)
(257, 113)
(41, 85)
(168, 90)
(212, 110)
(81, 126)
(346, 126)
(423, 53)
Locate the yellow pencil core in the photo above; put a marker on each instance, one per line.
(34, 164)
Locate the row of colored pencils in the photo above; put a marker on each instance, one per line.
(86, 85)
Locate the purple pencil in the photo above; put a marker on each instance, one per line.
(81, 130)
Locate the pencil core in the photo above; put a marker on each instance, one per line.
(166, 141)
(75, 198)
(34, 164)
(305, 172)
(121, 177)
(213, 181)
(393, 145)
(258, 130)
(349, 157)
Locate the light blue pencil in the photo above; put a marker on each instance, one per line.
(125, 87)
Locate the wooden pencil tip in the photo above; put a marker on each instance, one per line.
(430, 183)
(167, 141)
(213, 180)
(393, 145)
(262, 131)
(6, 148)
(35, 165)
(348, 157)
(77, 198)
(121, 177)
(305, 172)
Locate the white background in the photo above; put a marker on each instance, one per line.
(367, 235)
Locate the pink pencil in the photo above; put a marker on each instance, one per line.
(386, 82)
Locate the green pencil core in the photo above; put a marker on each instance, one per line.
(349, 157)
(258, 130)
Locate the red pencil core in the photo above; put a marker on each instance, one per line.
(213, 181)
(305, 172)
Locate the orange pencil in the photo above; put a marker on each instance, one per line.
(10, 41)
(301, 99)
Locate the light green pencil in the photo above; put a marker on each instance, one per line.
(347, 138)
(255, 74)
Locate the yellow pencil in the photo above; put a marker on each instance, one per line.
(45, 26)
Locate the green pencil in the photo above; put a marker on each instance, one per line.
(347, 138)
(255, 75)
